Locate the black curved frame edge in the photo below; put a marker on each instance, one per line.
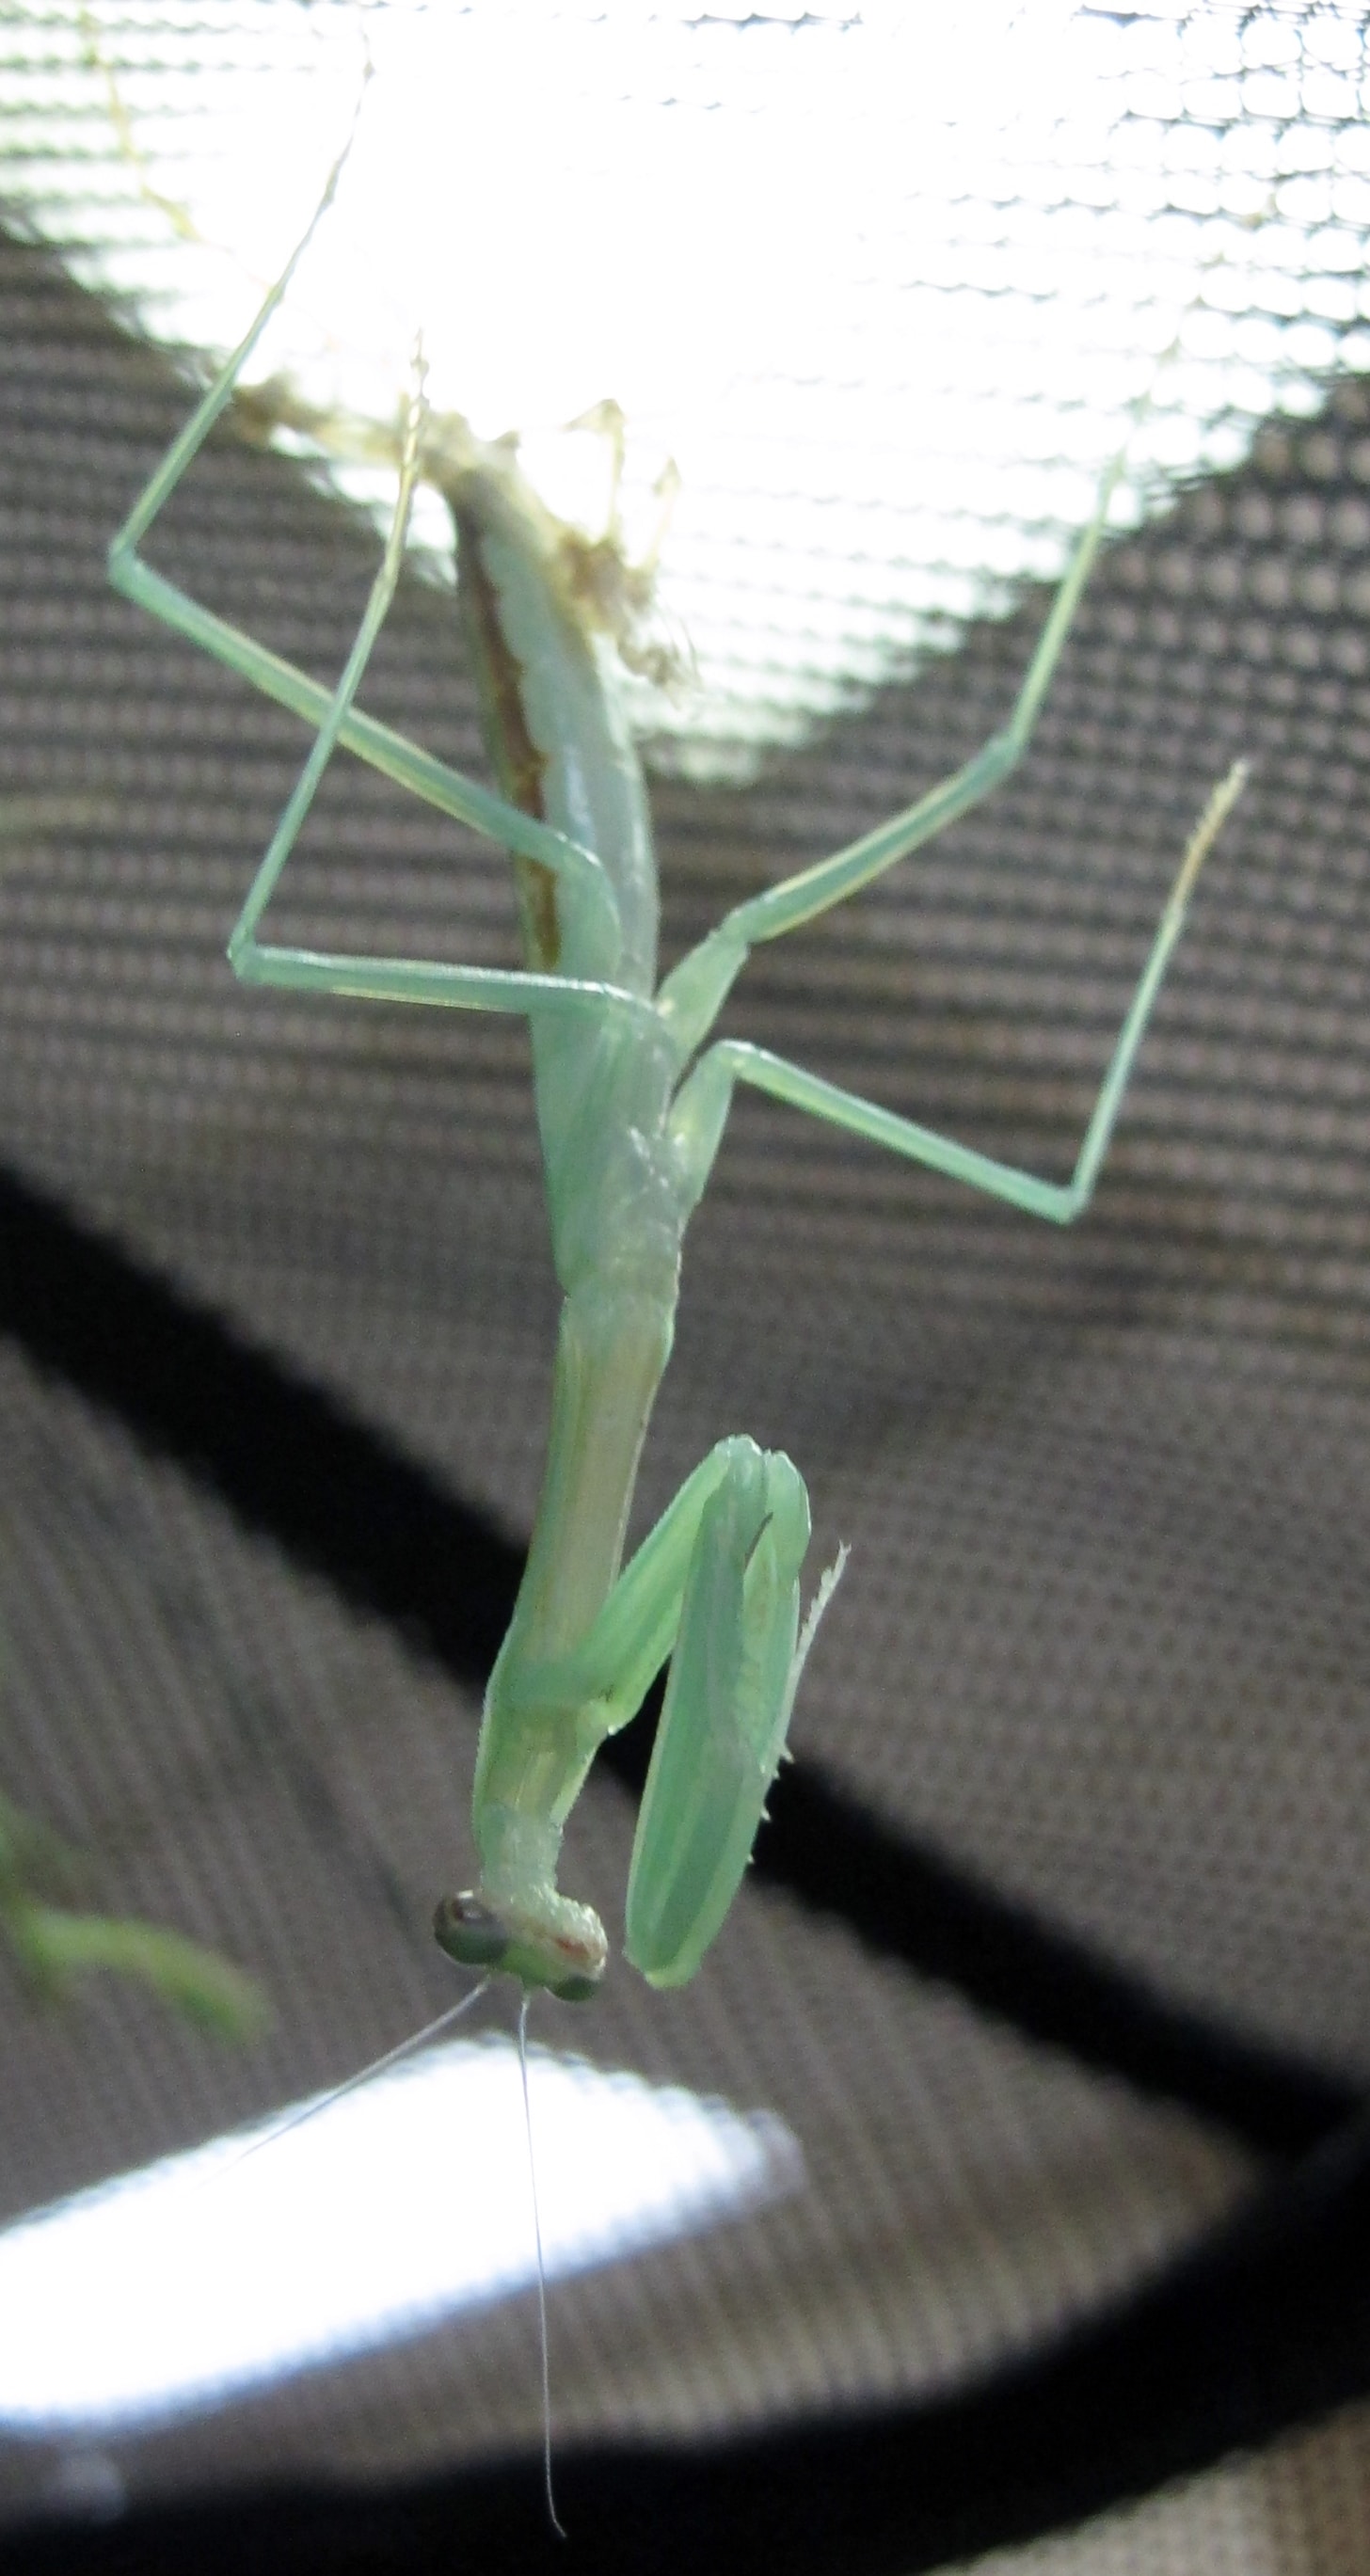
(1263, 2325)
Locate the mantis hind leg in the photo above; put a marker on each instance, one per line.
(704, 1098)
(738, 1657)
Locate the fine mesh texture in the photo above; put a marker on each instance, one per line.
(888, 294)
(1301, 2511)
(1104, 1634)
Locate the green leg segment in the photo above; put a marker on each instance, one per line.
(703, 1100)
(799, 898)
(332, 711)
(738, 1657)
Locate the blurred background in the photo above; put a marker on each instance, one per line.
(1001, 2185)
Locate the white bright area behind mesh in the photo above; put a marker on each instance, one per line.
(210, 2273)
(884, 282)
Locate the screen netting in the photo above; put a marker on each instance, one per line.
(1056, 1962)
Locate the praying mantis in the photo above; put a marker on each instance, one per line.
(633, 1091)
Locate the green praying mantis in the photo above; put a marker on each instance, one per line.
(633, 1091)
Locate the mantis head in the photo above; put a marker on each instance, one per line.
(569, 1963)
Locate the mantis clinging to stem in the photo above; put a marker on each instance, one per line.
(633, 1091)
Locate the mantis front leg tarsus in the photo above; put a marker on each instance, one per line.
(632, 1101)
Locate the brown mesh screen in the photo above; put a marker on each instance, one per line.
(1104, 1644)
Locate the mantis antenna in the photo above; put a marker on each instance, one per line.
(419, 2039)
(524, 2000)
(632, 1095)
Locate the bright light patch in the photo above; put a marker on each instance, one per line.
(885, 282)
(205, 2275)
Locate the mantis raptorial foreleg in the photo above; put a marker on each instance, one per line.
(631, 1114)
(714, 1588)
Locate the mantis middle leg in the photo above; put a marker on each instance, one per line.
(337, 720)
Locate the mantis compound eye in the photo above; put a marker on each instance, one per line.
(570, 1966)
(469, 1932)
